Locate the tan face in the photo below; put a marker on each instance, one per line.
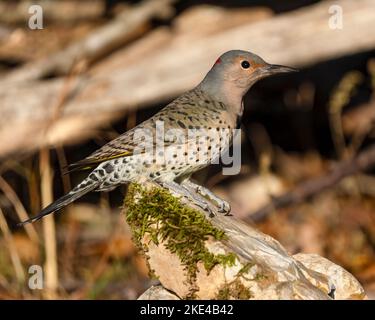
(235, 72)
(244, 71)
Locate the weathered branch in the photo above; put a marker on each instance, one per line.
(192, 257)
(124, 27)
(362, 162)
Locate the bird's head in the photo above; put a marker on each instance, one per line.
(236, 71)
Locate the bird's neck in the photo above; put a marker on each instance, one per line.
(225, 92)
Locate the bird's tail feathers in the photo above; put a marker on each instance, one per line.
(84, 187)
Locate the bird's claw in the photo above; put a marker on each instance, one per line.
(207, 208)
(211, 214)
(224, 207)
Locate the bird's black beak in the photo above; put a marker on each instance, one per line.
(270, 70)
(276, 68)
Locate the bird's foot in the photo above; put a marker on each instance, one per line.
(206, 207)
(192, 196)
(222, 205)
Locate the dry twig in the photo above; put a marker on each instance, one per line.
(49, 231)
(14, 256)
(363, 161)
(19, 208)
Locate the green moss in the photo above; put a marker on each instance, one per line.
(183, 230)
(245, 269)
(260, 276)
(234, 290)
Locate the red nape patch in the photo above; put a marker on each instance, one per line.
(218, 61)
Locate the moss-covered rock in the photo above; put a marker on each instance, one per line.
(155, 214)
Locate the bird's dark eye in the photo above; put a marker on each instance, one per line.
(245, 64)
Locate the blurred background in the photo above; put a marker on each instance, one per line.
(75, 74)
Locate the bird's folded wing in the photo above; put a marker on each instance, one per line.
(135, 141)
(179, 114)
(122, 146)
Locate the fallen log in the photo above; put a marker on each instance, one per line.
(297, 38)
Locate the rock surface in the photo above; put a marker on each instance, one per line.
(346, 286)
(261, 268)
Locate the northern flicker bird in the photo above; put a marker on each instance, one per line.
(156, 149)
